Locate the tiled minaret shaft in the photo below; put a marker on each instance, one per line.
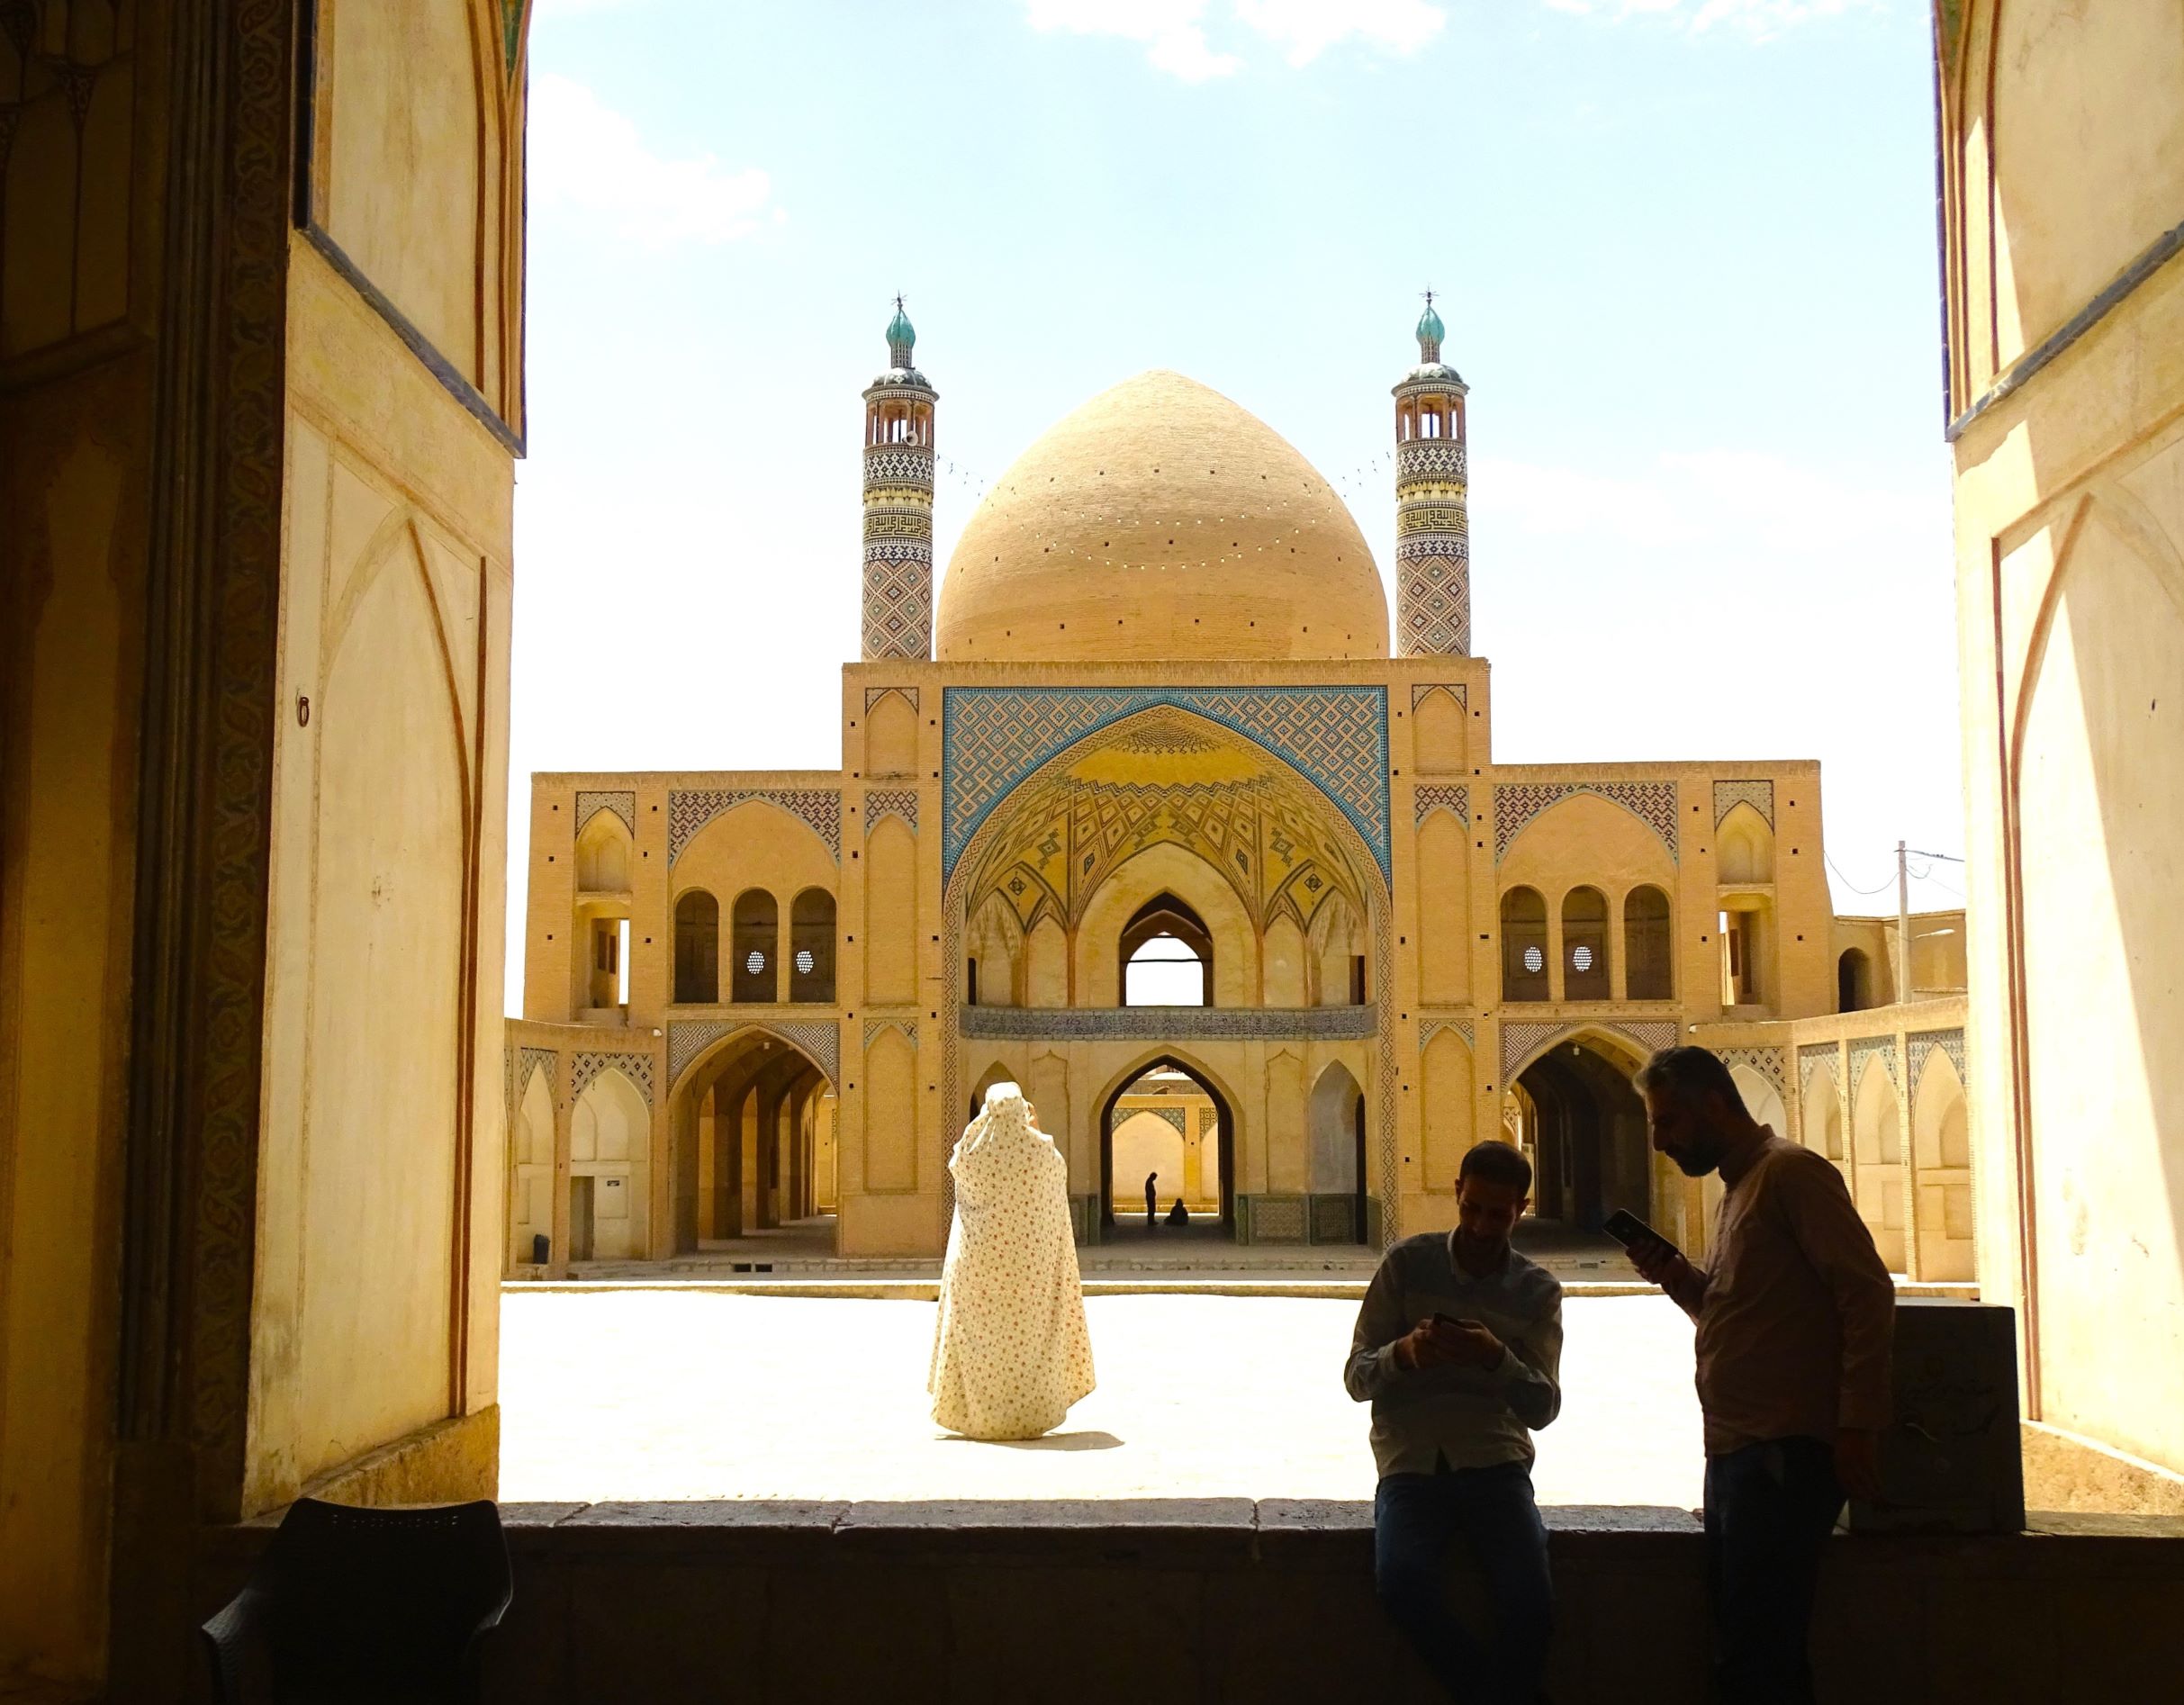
(1432, 531)
(898, 600)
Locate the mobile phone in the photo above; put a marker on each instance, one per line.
(1450, 1319)
(1626, 1228)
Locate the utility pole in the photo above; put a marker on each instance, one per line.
(1903, 927)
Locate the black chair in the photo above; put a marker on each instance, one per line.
(361, 1606)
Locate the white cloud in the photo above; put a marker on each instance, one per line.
(1176, 41)
(585, 157)
(1304, 29)
(1759, 19)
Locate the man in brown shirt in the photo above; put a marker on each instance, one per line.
(1795, 1312)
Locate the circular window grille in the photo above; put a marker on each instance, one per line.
(755, 963)
(1534, 959)
(1581, 957)
(804, 961)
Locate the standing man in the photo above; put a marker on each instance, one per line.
(1457, 1346)
(1795, 1312)
(1152, 1200)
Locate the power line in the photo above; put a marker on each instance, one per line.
(1853, 887)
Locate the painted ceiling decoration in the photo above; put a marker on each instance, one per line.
(1163, 776)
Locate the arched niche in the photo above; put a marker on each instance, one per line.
(1760, 1099)
(754, 973)
(1822, 1115)
(1168, 869)
(1941, 1148)
(530, 1194)
(1286, 975)
(1648, 956)
(603, 855)
(993, 955)
(1853, 981)
(1445, 1114)
(1877, 1147)
(1744, 847)
(891, 739)
(1585, 945)
(890, 911)
(1337, 960)
(811, 946)
(609, 1170)
(1337, 1178)
(697, 948)
(890, 1113)
(1165, 955)
(1437, 732)
(1524, 945)
(1444, 919)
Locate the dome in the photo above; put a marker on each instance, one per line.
(900, 331)
(1160, 520)
(1429, 327)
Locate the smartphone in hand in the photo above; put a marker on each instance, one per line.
(1626, 1228)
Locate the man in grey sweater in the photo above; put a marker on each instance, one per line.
(1457, 1346)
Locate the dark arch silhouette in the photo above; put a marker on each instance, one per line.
(1224, 1125)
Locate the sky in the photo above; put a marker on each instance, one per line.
(1684, 250)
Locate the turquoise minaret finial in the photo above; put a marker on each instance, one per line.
(902, 336)
(1429, 332)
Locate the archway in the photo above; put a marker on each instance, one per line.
(1589, 1127)
(609, 1170)
(750, 1126)
(1191, 1093)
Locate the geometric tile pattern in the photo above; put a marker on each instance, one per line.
(690, 809)
(1949, 1041)
(623, 805)
(1431, 1028)
(1810, 1058)
(874, 1026)
(1118, 1114)
(1426, 800)
(1758, 795)
(1766, 1062)
(1516, 804)
(585, 1066)
(891, 803)
(897, 591)
(1865, 1048)
(1166, 1023)
(691, 1038)
(993, 737)
(1432, 531)
(1456, 690)
(1522, 1042)
(873, 695)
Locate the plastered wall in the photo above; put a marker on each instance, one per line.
(2062, 151)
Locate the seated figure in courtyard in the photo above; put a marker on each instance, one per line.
(1178, 1214)
(1459, 1345)
(1011, 1351)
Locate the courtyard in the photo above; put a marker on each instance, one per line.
(661, 1394)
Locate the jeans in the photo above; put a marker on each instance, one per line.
(1414, 1518)
(1769, 1509)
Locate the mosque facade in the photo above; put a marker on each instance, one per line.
(1148, 806)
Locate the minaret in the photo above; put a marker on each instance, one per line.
(899, 504)
(1432, 535)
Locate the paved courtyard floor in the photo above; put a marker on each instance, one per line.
(659, 1394)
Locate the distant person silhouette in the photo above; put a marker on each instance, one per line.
(1178, 1214)
(1152, 1200)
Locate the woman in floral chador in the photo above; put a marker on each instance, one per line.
(1010, 1353)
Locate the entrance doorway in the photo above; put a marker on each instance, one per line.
(1574, 1111)
(1170, 1125)
(582, 1209)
